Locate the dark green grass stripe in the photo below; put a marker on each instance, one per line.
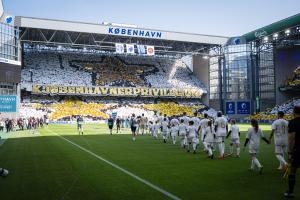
(168, 194)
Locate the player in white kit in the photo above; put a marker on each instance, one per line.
(221, 128)
(234, 131)
(182, 133)
(196, 121)
(174, 132)
(192, 139)
(174, 121)
(151, 128)
(160, 119)
(186, 120)
(209, 138)
(156, 128)
(165, 129)
(280, 132)
(203, 125)
(253, 138)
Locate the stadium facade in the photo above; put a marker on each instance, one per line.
(10, 66)
(240, 75)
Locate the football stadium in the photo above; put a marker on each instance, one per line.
(118, 111)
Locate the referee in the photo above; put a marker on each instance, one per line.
(294, 150)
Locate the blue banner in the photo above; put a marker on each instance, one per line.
(8, 103)
(230, 108)
(243, 107)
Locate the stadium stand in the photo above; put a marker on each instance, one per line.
(95, 108)
(76, 69)
(294, 79)
(63, 68)
(271, 114)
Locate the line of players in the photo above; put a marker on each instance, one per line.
(213, 132)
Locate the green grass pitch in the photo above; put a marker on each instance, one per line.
(44, 166)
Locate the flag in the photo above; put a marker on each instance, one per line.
(119, 48)
(130, 48)
(150, 51)
(141, 49)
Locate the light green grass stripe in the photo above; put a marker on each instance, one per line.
(168, 194)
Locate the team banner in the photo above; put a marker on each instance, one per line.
(150, 50)
(130, 48)
(119, 48)
(116, 91)
(8, 103)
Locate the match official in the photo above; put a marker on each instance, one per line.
(294, 150)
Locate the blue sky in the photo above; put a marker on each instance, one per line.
(216, 17)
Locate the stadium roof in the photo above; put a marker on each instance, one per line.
(273, 28)
(104, 37)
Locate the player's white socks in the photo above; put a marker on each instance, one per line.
(182, 143)
(185, 141)
(281, 160)
(174, 139)
(252, 164)
(194, 146)
(205, 146)
(238, 150)
(256, 162)
(221, 149)
(209, 151)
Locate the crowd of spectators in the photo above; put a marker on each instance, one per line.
(294, 79)
(100, 69)
(98, 108)
(23, 123)
(77, 69)
(271, 114)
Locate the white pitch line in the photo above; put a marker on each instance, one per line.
(168, 194)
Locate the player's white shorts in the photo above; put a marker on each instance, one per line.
(221, 134)
(195, 140)
(164, 133)
(235, 140)
(208, 143)
(182, 136)
(253, 149)
(280, 149)
(281, 141)
(142, 126)
(190, 139)
(219, 139)
(280, 145)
